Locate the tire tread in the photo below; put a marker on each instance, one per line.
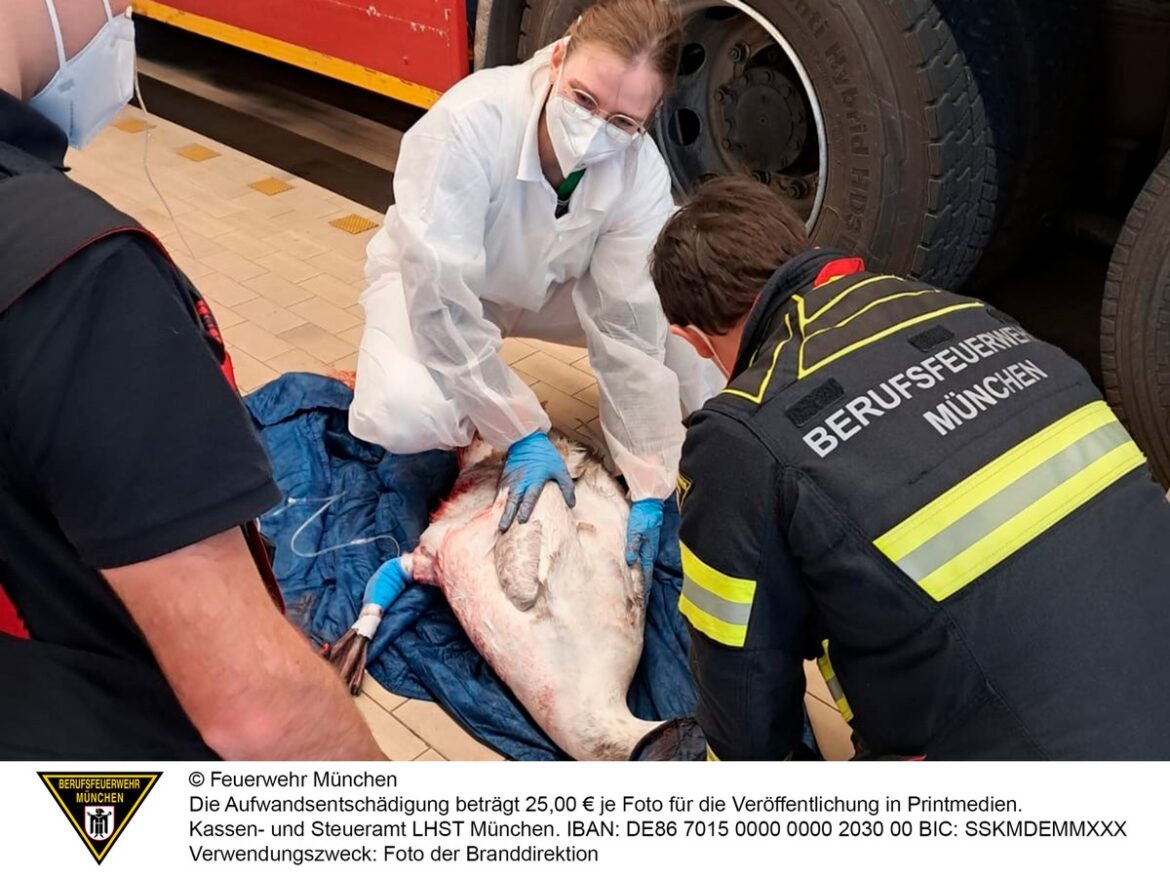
(1136, 385)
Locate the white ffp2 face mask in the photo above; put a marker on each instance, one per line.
(579, 142)
(90, 88)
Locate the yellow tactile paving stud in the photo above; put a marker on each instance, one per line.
(353, 224)
(270, 186)
(132, 126)
(197, 153)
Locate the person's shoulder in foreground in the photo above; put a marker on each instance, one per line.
(129, 465)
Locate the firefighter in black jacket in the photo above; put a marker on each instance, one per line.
(909, 487)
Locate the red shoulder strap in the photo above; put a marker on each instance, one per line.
(10, 620)
(251, 530)
(839, 268)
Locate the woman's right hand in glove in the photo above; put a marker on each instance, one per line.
(530, 463)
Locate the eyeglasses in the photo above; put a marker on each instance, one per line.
(617, 125)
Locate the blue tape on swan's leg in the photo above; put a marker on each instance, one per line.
(349, 653)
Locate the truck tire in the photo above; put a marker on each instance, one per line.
(862, 113)
(1039, 76)
(1135, 323)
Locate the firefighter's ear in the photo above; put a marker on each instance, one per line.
(695, 338)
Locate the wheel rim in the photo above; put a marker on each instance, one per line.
(743, 103)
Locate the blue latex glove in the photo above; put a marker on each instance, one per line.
(386, 584)
(642, 534)
(530, 463)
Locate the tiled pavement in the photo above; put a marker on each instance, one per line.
(282, 262)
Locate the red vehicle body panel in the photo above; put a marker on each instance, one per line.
(420, 42)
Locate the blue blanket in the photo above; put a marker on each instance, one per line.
(349, 506)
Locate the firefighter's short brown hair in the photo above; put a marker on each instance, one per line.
(715, 254)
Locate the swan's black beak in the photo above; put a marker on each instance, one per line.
(677, 740)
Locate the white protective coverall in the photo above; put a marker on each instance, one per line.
(471, 252)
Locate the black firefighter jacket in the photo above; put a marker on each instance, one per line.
(907, 486)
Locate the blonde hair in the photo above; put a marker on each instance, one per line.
(634, 30)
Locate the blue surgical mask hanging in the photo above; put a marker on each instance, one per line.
(90, 88)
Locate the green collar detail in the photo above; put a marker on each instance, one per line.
(567, 187)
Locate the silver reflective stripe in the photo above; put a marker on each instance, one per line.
(835, 689)
(1012, 500)
(724, 610)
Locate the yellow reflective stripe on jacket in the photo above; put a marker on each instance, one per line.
(806, 321)
(826, 668)
(803, 371)
(992, 478)
(905, 294)
(966, 531)
(716, 604)
(759, 394)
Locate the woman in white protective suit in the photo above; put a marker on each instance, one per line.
(527, 201)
